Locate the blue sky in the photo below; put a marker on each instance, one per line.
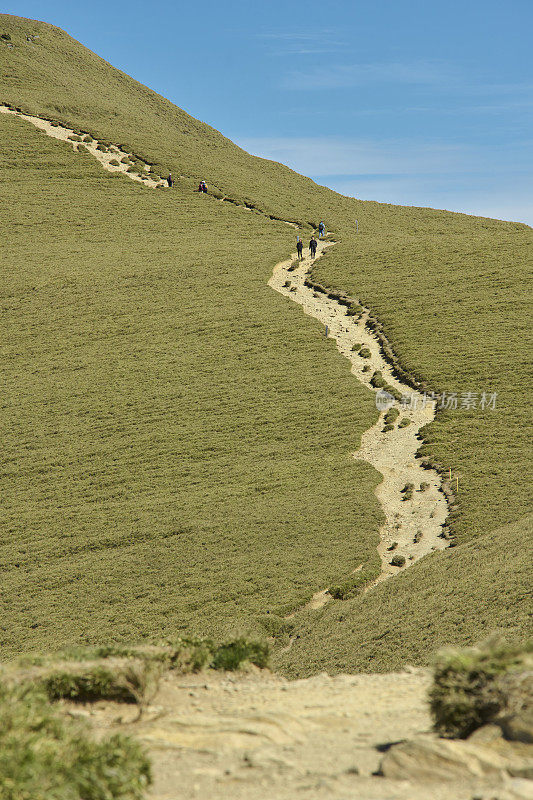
(416, 102)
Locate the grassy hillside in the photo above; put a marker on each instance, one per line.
(178, 436)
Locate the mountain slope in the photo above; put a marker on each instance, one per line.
(215, 425)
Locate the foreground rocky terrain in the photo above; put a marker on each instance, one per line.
(256, 735)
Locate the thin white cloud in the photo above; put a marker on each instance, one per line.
(342, 76)
(337, 156)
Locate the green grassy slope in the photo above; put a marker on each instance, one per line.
(176, 436)
(472, 590)
(176, 361)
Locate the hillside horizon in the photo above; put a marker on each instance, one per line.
(181, 437)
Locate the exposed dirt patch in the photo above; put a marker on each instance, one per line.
(415, 518)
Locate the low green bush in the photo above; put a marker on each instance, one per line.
(114, 162)
(364, 352)
(101, 147)
(391, 416)
(469, 685)
(397, 561)
(46, 757)
(235, 654)
(407, 491)
(75, 138)
(377, 380)
(129, 682)
(404, 422)
(387, 428)
(354, 310)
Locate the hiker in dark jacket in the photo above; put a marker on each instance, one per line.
(170, 181)
(313, 244)
(300, 249)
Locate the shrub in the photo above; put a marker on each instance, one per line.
(88, 138)
(75, 138)
(423, 487)
(101, 147)
(397, 561)
(404, 422)
(5, 36)
(366, 368)
(287, 284)
(391, 416)
(129, 682)
(233, 655)
(469, 685)
(357, 346)
(43, 756)
(364, 352)
(393, 546)
(407, 491)
(354, 310)
(377, 380)
(114, 162)
(387, 428)
(276, 626)
(417, 537)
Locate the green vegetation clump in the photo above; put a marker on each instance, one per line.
(357, 346)
(424, 486)
(44, 756)
(75, 138)
(404, 422)
(355, 310)
(391, 416)
(364, 352)
(377, 380)
(234, 655)
(100, 146)
(470, 686)
(407, 491)
(398, 561)
(114, 162)
(5, 36)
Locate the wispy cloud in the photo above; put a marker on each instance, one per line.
(338, 156)
(300, 43)
(341, 76)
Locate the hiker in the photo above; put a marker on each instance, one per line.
(170, 181)
(300, 249)
(313, 244)
(321, 230)
(203, 187)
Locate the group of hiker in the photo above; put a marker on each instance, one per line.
(202, 186)
(313, 244)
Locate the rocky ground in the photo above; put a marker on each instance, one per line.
(258, 736)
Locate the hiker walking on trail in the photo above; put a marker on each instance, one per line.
(313, 244)
(202, 187)
(321, 230)
(170, 181)
(300, 249)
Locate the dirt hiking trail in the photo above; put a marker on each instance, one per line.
(112, 153)
(414, 525)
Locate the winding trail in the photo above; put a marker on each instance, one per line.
(112, 153)
(413, 527)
